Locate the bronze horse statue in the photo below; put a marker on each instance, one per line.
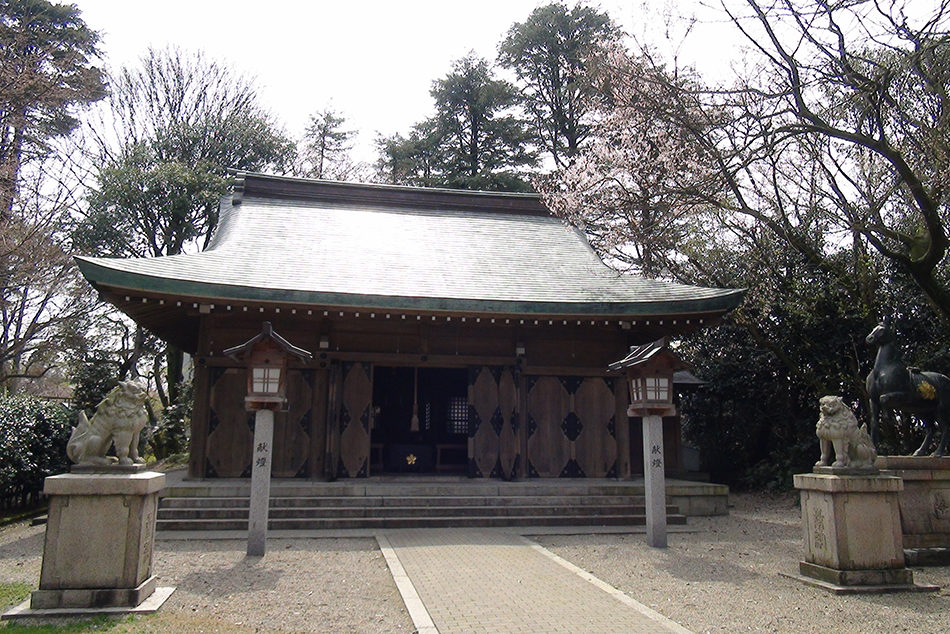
(893, 386)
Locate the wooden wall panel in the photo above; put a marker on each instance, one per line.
(494, 422)
(595, 447)
(230, 438)
(548, 448)
(485, 424)
(292, 428)
(622, 423)
(355, 420)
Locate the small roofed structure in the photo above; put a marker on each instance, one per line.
(266, 355)
(656, 374)
(482, 315)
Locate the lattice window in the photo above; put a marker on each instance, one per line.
(266, 380)
(457, 419)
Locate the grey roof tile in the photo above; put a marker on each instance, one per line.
(315, 250)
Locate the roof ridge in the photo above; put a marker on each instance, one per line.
(288, 187)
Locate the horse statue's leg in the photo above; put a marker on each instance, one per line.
(929, 425)
(944, 420)
(874, 419)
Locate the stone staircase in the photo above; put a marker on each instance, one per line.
(223, 505)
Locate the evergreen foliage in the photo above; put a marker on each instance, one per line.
(549, 52)
(33, 436)
(476, 140)
(47, 71)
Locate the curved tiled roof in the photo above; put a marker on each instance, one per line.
(330, 244)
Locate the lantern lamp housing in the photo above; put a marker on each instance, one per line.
(266, 356)
(649, 369)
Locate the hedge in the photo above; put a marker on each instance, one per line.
(33, 437)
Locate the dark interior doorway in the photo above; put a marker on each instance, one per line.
(438, 442)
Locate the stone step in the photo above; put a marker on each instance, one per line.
(403, 511)
(242, 488)
(428, 501)
(412, 522)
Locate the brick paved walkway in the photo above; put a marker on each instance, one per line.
(470, 580)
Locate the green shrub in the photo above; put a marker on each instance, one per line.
(33, 437)
(170, 435)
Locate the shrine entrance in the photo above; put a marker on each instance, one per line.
(420, 422)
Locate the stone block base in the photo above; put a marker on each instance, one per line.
(925, 499)
(148, 606)
(851, 522)
(877, 577)
(92, 597)
(852, 534)
(99, 538)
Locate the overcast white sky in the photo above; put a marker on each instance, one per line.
(374, 60)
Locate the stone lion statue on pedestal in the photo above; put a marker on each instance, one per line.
(119, 419)
(837, 427)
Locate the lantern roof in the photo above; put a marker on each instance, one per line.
(267, 333)
(651, 352)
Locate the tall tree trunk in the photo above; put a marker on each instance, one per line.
(174, 361)
(10, 170)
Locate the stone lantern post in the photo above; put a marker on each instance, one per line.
(649, 369)
(266, 356)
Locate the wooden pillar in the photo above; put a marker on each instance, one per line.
(333, 420)
(622, 429)
(201, 412)
(318, 424)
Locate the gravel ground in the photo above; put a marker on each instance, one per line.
(722, 578)
(725, 577)
(301, 585)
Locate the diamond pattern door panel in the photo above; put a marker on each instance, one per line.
(485, 423)
(355, 415)
(230, 437)
(292, 428)
(595, 446)
(549, 449)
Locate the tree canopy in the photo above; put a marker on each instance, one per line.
(476, 140)
(174, 127)
(325, 149)
(47, 70)
(548, 52)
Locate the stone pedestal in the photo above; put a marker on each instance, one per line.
(852, 533)
(925, 500)
(654, 481)
(99, 538)
(260, 483)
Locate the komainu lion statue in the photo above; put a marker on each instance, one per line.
(119, 419)
(838, 427)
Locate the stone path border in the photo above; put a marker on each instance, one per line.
(417, 609)
(496, 580)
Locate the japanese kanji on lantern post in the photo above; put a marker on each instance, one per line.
(649, 372)
(266, 356)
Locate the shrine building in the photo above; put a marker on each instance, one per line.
(450, 332)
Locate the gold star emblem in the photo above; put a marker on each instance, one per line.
(411, 459)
